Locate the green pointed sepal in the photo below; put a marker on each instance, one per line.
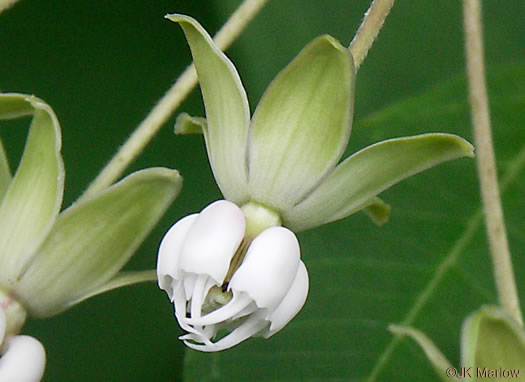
(186, 124)
(227, 110)
(493, 344)
(30, 201)
(93, 239)
(302, 124)
(356, 181)
(377, 210)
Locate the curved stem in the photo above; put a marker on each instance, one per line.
(369, 29)
(499, 248)
(170, 101)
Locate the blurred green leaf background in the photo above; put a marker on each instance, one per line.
(102, 65)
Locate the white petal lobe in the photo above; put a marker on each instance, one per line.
(212, 240)
(292, 303)
(169, 253)
(23, 360)
(269, 267)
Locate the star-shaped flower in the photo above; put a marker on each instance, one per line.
(280, 168)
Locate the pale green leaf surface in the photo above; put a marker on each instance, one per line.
(302, 124)
(93, 239)
(428, 267)
(369, 172)
(32, 201)
(227, 110)
(492, 340)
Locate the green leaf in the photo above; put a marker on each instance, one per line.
(227, 110)
(32, 201)
(492, 340)
(93, 239)
(302, 124)
(369, 172)
(427, 268)
(436, 358)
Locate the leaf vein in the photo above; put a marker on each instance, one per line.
(450, 260)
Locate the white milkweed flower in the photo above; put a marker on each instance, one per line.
(241, 273)
(221, 278)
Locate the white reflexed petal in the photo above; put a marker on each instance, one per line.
(252, 307)
(212, 240)
(247, 329)
(200, 290)
(24, 360)
(169, 253)
(292, 302)
(237, 304)
(189, 281)
(180, 306)
(199, 336)
(269, 267)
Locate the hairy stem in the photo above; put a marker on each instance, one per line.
(147, 129)
(5, 4)
(499, 248)
(369, 29)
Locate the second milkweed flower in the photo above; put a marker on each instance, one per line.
(52, 260)
(281, 163)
